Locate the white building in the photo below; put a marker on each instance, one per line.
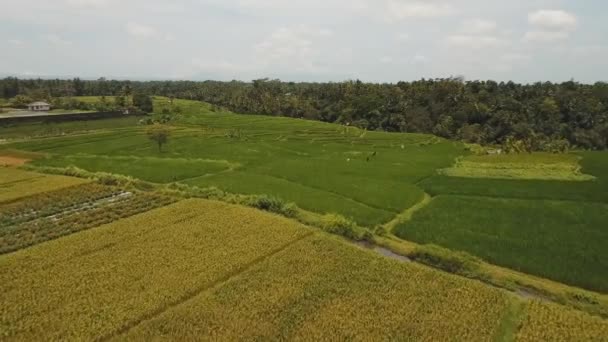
(39, 106)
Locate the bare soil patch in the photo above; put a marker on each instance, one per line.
(12, 161)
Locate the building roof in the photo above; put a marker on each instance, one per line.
(39, 103)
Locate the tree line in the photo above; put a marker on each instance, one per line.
(539, 116)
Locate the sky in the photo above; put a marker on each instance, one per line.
(306, 40)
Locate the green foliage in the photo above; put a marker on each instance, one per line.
(272, 204)
(340, 225)
(20, 101)
(143, 102)
(159, 134)
(484, 112)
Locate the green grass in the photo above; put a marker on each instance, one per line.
(367, 176)
(560, 240)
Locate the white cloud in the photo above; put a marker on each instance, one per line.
(55, 39)
(291, 47)
(140, 31)
(386, 59)
(552, 20)
(550, 26)
(475, 41)
(15, 42)
(545, 36)
(419, 59)
(221, 66)
(87, 3)
(478, 26)
(403, 37)
(515, 57)
(399, 10)
(509, 61)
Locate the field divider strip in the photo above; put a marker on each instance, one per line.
(191, 294)
(408, 213)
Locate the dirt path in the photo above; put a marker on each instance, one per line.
(383, 251)
(407, 214)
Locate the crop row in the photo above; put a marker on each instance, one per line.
(31, 232)
(323, 289)
(94, 283)
(53, 202)
(550, 322)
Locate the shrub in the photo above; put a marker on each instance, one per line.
(272, 204)
(380, 230)
(340, 225)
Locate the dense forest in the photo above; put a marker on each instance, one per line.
(540, 116)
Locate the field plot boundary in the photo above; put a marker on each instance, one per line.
(198, 290)
(408, 213)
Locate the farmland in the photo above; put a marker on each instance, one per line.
(262, 276)
(56, 213)
(149, 263)
(16, 184)
(560, 240)
(368, 176)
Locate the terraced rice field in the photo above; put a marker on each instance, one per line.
(523, 211)
(15, 184)
(325, 168)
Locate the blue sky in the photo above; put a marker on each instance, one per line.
(306, 40)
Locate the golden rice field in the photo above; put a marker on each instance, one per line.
(323, 289)
(15, 183)
(549, 322)
(202, 269)
(101, 281)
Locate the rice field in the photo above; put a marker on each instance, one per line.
(323, 289)
(57, 213)
(100, 281)
(81, 261)
(549, 322)
(203, 268)
(560, 240)
(542, 166)
(325, 168)
(16, 184)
